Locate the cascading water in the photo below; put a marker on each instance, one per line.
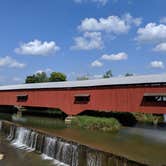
(60, 151)
(63, 153)
(11, 133)
(25, 138)
(67, 153)
(94, 159)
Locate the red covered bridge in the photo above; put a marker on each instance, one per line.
(123, 94)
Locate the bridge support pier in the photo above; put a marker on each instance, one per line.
(19, 114)
(20, 110)
(68, 120)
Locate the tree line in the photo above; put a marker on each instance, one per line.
(58, 76)
(42, 77)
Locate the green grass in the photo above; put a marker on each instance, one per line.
(96, 123)
(148, 118)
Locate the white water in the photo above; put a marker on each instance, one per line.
(62, 153)
(94, 159)
(24, 138)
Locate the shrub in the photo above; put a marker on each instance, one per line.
(148, 118)
(96, 123)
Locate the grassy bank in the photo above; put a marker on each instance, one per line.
(148, 118)
(96, 123)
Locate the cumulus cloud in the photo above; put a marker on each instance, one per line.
(102, 2)
(96, 63)
(7, 61)
(89, 41)
(152, 33)
(37, 47)
(115, 57)
(113, 24)
(47, 70)
(157, 64)
(163, 20)
(160, 47)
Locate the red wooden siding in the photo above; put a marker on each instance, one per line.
(122, 99)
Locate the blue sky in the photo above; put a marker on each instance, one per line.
(80, 37)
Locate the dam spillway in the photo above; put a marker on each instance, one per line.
(62, 152)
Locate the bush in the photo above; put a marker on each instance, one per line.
(125, 118)
(148, 118)
(96, 123)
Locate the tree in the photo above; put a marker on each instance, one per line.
(57, 76)
(30, 79)
(108, 74)
(128, 74)
(41, 77)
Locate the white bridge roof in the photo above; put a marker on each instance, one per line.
(131, 80)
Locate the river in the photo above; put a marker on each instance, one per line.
(147, 145)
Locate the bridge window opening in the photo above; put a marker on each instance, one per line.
(22, 98)
(82, 98)
(154, 99)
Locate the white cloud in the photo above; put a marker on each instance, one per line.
(102, 2)
(96, 63)
(113, 24)
(160, 47)
(47, 70)
(157, 64)
(37, 47)
(89, 41)
(163, 20)
(152, 33)
(115, 57)
(7, 61)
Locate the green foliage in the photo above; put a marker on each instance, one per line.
(96, 123)
(30, 79)
(36, 78)
(148, 118)
(42, 77)
(57, 76)
(128, 74)
(108, 74)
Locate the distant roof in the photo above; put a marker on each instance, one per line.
(130, 80)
